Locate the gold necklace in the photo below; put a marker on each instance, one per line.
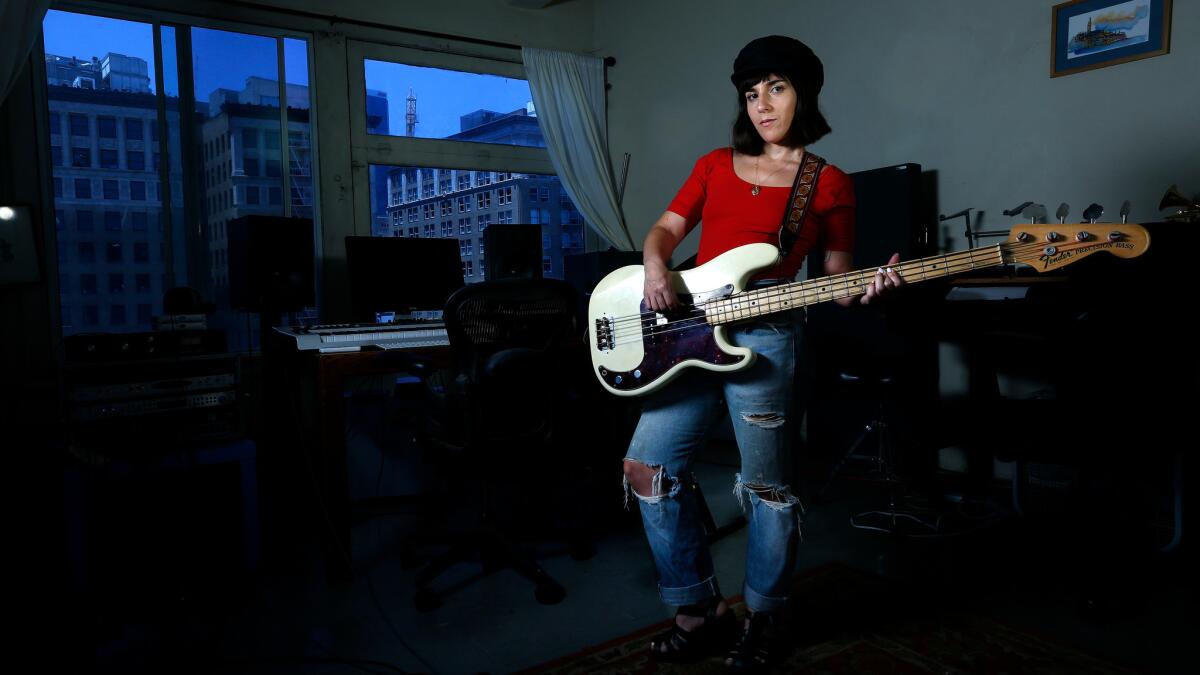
(754, 191)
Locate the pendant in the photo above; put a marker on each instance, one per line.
(754, 191)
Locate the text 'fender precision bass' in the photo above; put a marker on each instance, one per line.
(635, 351)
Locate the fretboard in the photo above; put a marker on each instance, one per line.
(750, 304)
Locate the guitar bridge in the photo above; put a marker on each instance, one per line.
(605, 338)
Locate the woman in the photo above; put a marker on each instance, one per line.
(740, 193)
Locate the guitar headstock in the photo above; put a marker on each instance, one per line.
(1051, 246)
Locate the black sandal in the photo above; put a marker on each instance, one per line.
(708, 639)
(753, 651)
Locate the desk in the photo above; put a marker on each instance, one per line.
(330, 372)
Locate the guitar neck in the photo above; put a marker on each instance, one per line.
(750, 304)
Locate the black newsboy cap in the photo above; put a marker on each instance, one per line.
(780, 54)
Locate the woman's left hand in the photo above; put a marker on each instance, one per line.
(886, 281)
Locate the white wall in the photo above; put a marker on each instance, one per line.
(961, 87)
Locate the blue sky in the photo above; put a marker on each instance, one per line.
(220, 58)
(226, 59)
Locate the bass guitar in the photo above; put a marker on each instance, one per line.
(636, 351)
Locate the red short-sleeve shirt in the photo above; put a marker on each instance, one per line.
(733, 217)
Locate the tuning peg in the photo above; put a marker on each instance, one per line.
(1093, 212)
(1062, 212)
(1125, 211)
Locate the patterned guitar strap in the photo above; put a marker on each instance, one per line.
(803, 189)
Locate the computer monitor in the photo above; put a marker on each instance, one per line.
(395, 277)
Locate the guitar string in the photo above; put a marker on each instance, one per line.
(633, 324)
(767, 297)
(953, 263)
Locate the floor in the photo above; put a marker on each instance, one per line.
(1115, 600)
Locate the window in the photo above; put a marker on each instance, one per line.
(135, 160)
(112, 221)
(91, 315)
(429, 230)
(429, 211)
(504, 218)
(137, 190)
(112, 252)
(533, 194)
(250, 166)
(85, 221)
(137, 221)
(273, 168)
(133, 129)
(117, 315)
(87, 284)
(484, 221)
(274, 196)
(250, 138)
(447, 230)
(464, 180)
(116, 283)
(81, 157)
(83, 188)
(547, 265)
(465, 247)
(483, 200)
(141, 252)
(141, 282)
(106, 127)
(414, 231)
(87, 252)
(504, 195)
(79, 125)
(110, 189)
(447, 207)
(464, 226)
(464, 203)
(108, 158)
(252, 194)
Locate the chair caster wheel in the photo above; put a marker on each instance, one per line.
(426, 600)
(549, 593)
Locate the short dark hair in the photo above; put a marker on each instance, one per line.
(808, 124)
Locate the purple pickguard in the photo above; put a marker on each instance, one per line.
(666, 346)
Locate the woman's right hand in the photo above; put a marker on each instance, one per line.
(658, 291)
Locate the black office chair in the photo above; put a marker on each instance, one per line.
(499, 414)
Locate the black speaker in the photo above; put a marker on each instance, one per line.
(513, 251)
(585, 270)
(271, 263)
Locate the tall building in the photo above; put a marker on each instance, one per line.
(460, 203)
(114, 262)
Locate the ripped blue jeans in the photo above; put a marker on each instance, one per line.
(675, 423)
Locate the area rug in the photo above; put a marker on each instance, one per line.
(847, 621)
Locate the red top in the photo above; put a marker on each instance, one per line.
(733, 217)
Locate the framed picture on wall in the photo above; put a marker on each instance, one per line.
(1090, 34)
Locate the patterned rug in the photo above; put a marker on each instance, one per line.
(855, 622)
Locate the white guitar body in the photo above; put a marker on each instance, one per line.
(631, 361)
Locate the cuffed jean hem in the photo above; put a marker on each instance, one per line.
(691, 595)
(756, 602)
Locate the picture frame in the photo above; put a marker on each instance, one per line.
(1090, 34)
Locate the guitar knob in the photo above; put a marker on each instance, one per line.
(1115, 236)
(1083, 236)
(1024, 237)
(1052, 236)
(637, 374)
(618, 379)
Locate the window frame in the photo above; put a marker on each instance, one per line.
(367, 149)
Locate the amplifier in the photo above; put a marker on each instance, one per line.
(147, 406)
(151, 403)
(104, 347)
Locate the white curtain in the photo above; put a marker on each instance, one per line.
(20, 21)
(568, 95)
